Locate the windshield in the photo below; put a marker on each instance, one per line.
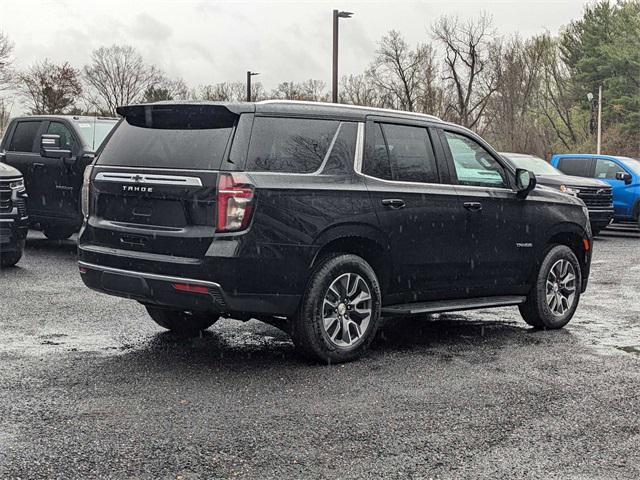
(633, 164)
(533, 164)
(95, 131)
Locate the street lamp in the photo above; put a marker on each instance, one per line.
(336, 16)
(590, 98)
(249, 75)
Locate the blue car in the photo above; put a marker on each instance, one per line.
(622, 173)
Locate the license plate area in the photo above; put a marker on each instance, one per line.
(142, 211)
(125, 284)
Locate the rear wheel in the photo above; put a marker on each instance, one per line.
(555, 295)
(180, 321)
(58, 233)
(10, 259)
(340, 312)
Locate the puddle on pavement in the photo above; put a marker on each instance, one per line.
(630, 349)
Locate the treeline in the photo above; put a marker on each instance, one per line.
(523, 95)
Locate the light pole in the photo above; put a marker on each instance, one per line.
(249, 75)
(599, 120)
(336, 16)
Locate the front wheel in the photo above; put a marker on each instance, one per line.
(340, 311)
(10, 259)
(180, 321)
(555, 295)
(58, 233)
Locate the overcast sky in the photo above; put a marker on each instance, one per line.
(215, 41)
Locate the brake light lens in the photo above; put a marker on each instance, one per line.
(235, 202)
(187, 287)
(86, 191)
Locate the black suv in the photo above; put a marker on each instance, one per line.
(13, 216)
(51, 152)
(320, 219)
(596, 194)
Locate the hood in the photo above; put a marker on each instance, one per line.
(555, 181)
(7, 172)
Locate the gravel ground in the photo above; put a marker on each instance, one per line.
(91, 388)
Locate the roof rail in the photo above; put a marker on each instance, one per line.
(348, 105)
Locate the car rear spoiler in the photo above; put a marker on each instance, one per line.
(184, 115)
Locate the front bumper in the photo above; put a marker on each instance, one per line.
(600, 218)
(13, 232)
(180, 292)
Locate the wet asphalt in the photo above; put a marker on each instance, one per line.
(92, 388)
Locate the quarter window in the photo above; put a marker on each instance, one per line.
(292, 145)
(24, 136)
(473, 164)
(607, 169)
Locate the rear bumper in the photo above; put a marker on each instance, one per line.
(158, 289)
(600, 218)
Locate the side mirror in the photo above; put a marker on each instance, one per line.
(525, 182)
(50, 147)
(624, 176)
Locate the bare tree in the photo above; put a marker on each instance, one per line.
(166, 89)
(6, 61)
(360, 90)
(405, 77)
(48, 88)
(309, 90)
(469, 79)
(117, 76)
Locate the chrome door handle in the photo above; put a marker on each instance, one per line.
(473, 206)
(394, 203)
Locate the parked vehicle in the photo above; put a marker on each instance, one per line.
(622, 173)
(13, 216)
(596, 194)
(320, 218)
(51, 152)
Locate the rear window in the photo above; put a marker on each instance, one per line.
(580, 167)
(192, 137)
(24, 136)
(95, 131)
(293, 145)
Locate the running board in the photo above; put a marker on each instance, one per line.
(452, 305)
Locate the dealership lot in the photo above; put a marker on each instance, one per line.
(90, 386)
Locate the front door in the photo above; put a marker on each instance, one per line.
(416, 212)
(498, 232)
(623, 195)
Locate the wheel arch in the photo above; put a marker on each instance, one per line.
(362, 240)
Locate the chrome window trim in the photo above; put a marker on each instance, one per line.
(148, 178)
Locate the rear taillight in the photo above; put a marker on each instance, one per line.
(86, 191)
(235, 202)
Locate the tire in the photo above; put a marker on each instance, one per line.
(180, 321)
(58, 233)
(350, 326)
(545, 307)
(595, 231)
(10, 259)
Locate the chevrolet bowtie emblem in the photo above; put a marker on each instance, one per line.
(137, 178)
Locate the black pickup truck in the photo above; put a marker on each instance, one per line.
(51, 152)
(13, 216)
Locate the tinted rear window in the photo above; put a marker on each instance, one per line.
(580, 167)
(294, 145)
(192, 137)
(24, 136)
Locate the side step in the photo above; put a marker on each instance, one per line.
(452, 305)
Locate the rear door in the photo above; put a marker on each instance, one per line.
(578, 167)
(155, 180)
(417, 213)
(22, 152)
(498, 231)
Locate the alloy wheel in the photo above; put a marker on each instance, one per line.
(346, 309)
(561, 287)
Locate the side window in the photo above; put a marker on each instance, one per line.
(376, 163)
(24, 136)
(473, 164)
(412, 158)
(607, 169)
(343, 153)
(578, 167)
(67, 142)
(292, 145)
